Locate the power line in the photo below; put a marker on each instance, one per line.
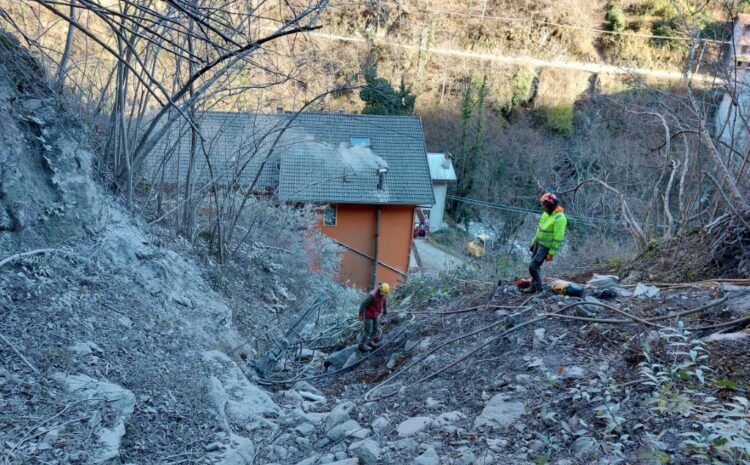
(511, 208)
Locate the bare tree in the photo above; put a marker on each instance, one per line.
(152, 41)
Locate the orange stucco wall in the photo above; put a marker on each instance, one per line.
(355, 227)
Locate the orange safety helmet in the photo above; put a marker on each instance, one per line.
(549, 200)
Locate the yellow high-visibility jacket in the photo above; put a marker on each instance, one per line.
(550, 232)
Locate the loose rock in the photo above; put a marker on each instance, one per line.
(413, 426)
(380, 423)
(499, 412)
(339, 414)
(429, 457)
(344, 429)
(367, 451)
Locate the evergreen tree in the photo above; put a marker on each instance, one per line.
(382, 99)
(471, 142)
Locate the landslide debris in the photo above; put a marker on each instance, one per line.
(474, 375)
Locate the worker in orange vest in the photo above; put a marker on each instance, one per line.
(370, 311)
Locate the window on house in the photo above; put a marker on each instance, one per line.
(330, 216)
(426, 212)
(359, 141)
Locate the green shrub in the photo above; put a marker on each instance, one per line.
(665, 29)
(715, 30)
(500, 169)
(558, 118)
(615, 18)
(521, 86)
(661, 8)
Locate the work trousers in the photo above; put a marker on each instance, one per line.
(537, 260)
(372, 330)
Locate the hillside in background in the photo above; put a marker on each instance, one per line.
(540, 96)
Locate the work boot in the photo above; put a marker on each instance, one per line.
(528, 290)
(364, 348)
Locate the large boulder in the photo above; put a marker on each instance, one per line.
(235, 399)
(119, 404)
(499, 412)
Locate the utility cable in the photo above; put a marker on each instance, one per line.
(511, 208)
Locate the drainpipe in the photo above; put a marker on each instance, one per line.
(375, 254)
(381, 180)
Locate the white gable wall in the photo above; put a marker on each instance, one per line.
(440, 189)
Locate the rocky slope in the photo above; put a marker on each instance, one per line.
(114, 346)
(472, 375)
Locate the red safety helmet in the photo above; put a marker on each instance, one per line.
(549, 200)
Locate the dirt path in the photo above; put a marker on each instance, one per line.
(434, 259)
(526, 60)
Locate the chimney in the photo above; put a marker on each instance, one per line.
(381, 177)
(446, 161)
(279, 110)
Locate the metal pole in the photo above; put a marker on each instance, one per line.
(375, 254)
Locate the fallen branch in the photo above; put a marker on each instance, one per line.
(20, 355)
(626, 314)
(726, 324)
(492, 340)
(27, 436)
(609, 321)
(691, 311)
(366, 396)
(42, 432)
(737, 214)
(707, 282)
(706, 306)
(12, 258)
(470, 309)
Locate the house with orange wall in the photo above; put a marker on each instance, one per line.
(366, 173)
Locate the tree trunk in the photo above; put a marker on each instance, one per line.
(668, 218)
(62, 68)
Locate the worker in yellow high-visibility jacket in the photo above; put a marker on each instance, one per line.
(549, 237)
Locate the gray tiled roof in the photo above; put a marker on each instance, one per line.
(323, 167)
(232, 149)
(312, 161)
